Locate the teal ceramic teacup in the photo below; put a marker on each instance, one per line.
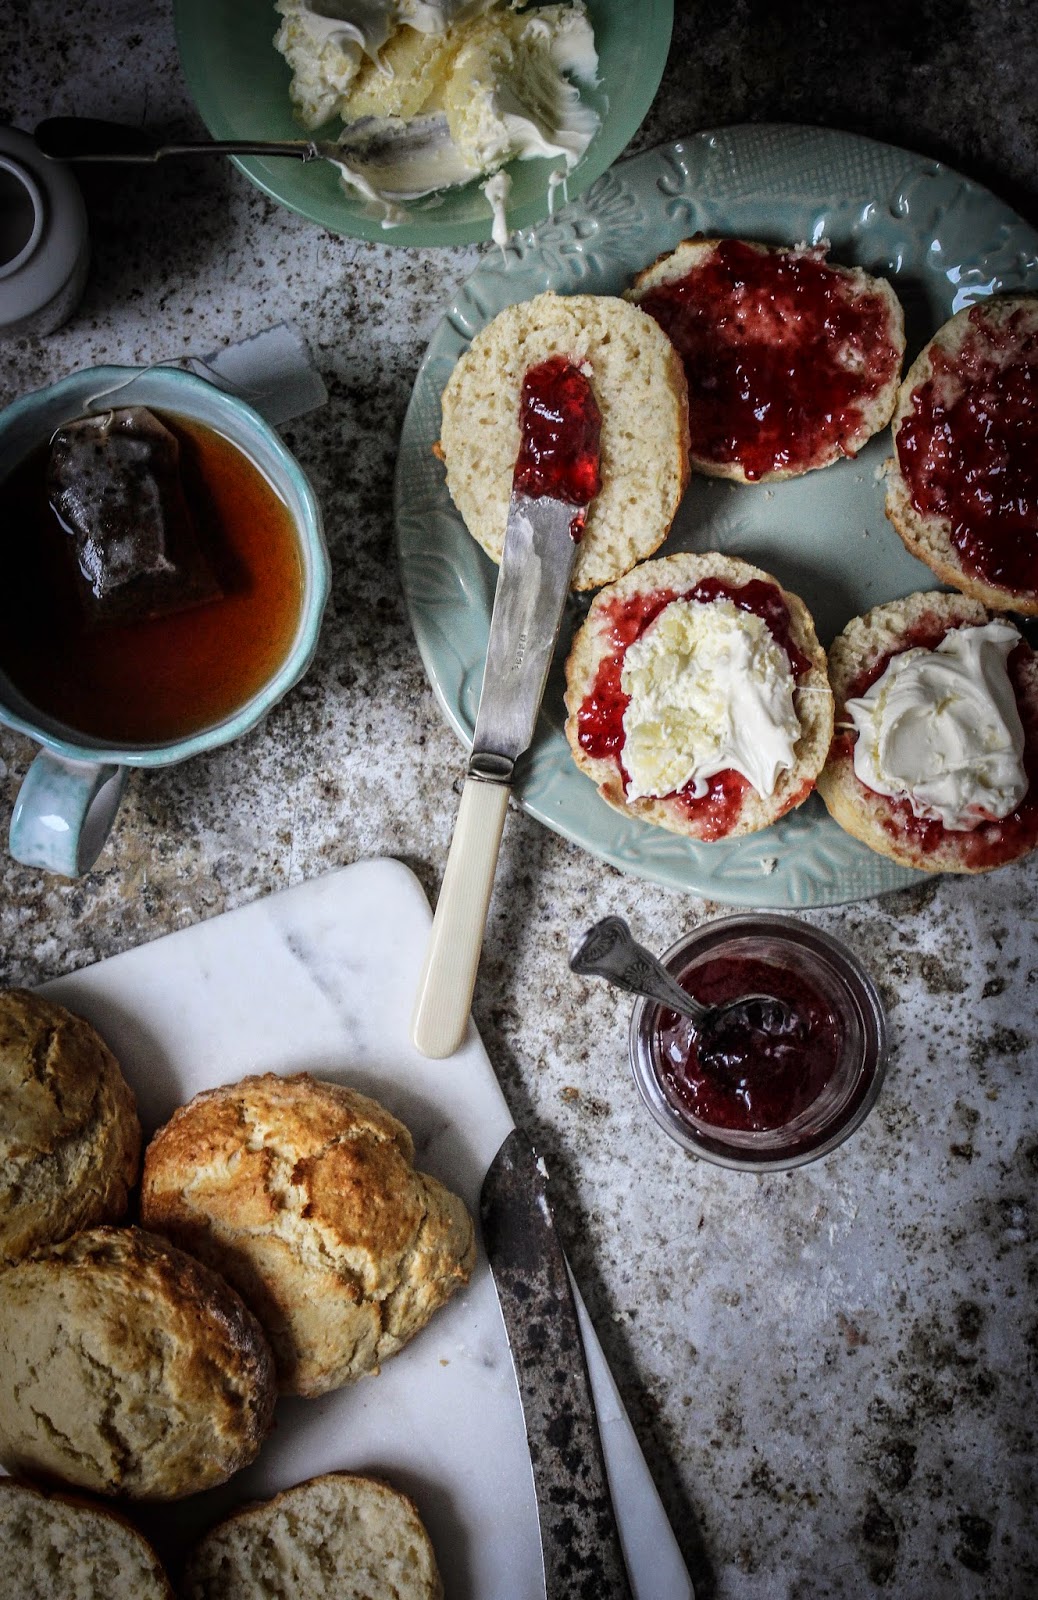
(70, 795)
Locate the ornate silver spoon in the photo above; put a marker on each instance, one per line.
(391, 157)
(609, 950)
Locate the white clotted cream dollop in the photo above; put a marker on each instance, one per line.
(710, 689)
(941, 729)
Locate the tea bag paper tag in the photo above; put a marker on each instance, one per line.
(272, 371)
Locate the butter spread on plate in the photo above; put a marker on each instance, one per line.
(493, 85)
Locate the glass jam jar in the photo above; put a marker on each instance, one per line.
(778, 1100)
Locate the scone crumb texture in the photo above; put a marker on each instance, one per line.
(337, 1537)
(53, 1547)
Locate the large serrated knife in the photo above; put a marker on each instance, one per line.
(580, 1541)
(541, 543)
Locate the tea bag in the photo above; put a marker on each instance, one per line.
(114, 484)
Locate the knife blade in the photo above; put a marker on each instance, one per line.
(580, 1541)
(536, 568)
(541, 543)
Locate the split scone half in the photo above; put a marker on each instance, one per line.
(304, 1195)
(698, 698)
(962, 486)
(639, 386)
(935, 758)
(61, 1547)
(791, 360)
(337, 1537)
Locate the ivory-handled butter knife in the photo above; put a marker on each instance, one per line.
(541, 542)
(580, 1540)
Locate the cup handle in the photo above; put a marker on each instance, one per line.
(64, 812)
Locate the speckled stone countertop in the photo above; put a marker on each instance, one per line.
(830, 1371)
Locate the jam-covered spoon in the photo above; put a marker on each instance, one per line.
(609, 950)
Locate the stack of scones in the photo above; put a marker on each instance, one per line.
(286, 1242)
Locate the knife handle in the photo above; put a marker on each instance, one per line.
(448, 978)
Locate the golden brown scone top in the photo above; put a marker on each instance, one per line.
(69, 1134)
(303, 1194)
(129, 1368)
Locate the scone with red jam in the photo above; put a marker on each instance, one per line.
(791, 361)
(935, 759)
(637, 387)
(698, 697)
(962, 488)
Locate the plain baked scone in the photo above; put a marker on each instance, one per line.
(61, 1547)
(738, 808)
(856, 659)
(304, 1195)
(977, 378)
(791, 360)
(638, 382)
(129, 1368)
(337, 1537)
(69, 1136)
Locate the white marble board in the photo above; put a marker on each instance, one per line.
(321, 978)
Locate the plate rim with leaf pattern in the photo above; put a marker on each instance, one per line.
(943, 240)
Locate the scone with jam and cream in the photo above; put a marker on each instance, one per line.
(505, 80)
(698, 697)
(962, 486)
(935, 759)
(792, 361)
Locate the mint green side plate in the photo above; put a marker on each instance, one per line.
(943, 240)
(239, 83)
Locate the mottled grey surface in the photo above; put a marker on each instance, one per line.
(830, 1371)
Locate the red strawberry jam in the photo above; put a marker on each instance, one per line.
(600, 718)
(560, 427)
(781, 354)
(990, 843)
(968, 450)
(762, 1078)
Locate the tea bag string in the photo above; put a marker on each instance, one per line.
(272, 371)
(193, 364)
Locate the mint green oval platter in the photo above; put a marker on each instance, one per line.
(239, 83)
(944, 242)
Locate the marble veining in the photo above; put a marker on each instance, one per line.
(320, 979)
